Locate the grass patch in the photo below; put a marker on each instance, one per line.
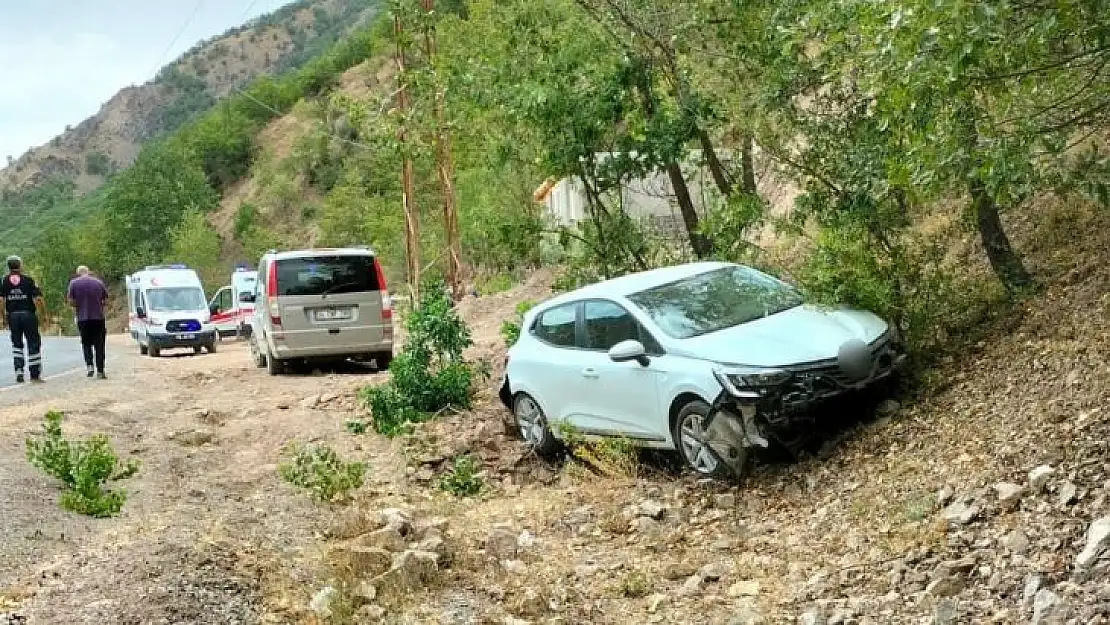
(319, 469)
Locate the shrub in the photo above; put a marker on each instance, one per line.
(464, 479)
(430, 374)
(83, 467)
(320, 470)
(510, 328)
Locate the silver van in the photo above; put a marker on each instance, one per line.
(320, 305)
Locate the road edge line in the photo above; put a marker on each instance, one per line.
(47, 378)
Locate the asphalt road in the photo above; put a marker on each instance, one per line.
(59, 355)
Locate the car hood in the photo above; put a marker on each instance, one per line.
(798, 335)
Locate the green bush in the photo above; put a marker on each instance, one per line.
(430, 374)
(83, 467)
(464, 478)
(319, 469)
(510, 328)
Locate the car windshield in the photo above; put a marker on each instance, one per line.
(715, 300)
(326, 275)
(176, 299)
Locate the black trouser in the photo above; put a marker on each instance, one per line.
(93, 335)
(25, 327)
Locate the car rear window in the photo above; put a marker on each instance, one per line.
(326, 275)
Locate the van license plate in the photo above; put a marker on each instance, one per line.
(332, 314)
(186, 337)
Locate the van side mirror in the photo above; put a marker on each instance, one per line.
(629, 350)
(140, 312)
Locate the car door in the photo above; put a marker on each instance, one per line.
(223, 313)
(621, 398)
(549, 367)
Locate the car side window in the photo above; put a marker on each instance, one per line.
(556, 326)
(607, 324)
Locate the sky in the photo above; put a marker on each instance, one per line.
(61, 59)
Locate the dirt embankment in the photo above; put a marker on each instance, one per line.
(978, 502)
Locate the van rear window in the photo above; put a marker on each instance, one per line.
(322, 275)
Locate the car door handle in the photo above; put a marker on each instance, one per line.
(589, 372)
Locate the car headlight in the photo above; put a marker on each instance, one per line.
(750, 382)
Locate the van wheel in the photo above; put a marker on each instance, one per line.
(274, 366)
(257, 357)
(211, 347)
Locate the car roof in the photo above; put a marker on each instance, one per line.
(626, 285)
(323, 251)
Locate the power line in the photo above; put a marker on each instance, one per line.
(162, 57)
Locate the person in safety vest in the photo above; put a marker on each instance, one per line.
(21, 301)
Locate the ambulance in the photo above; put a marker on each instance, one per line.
(232, 306)
(167, 309)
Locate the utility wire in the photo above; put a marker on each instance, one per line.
(173, 42)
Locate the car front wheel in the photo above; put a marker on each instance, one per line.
(532, 425)
(690, 436)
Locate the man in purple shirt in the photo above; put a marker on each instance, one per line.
(87, 294)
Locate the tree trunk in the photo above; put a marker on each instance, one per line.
(444, 164)
(698, 241)
(408, 190)
(1007, 265)
(747, 164)
(716, 169)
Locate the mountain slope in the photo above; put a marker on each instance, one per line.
(87, 153)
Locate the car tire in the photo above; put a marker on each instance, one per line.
(142, 349)
(274, 365)
(382, 360)
(696, 454)
(532, 425)
(256, 355)
(197, 349)
(211, 347)
(153, 351)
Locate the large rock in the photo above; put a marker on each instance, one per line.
(652, 509)
(1049, 609)
(397, 519)
(1098, 538)
(321, 603)
(1009, 494)
(501, 543)
(1038, 478)
(959, 513)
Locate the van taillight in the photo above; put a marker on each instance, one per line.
(271, 293)
(387, 304)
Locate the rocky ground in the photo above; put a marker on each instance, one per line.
(984, 498)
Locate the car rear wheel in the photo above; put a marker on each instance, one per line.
(274, 366)
(382, 360)
(142, 349)
(689, 437)
(211, 347)
(532, 425)
(153, 351)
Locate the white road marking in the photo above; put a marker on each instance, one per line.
(45, 379)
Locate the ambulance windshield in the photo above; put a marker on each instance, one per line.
(176, 299)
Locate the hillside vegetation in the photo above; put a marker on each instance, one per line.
(37, 189)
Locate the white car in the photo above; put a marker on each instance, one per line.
(711, 359)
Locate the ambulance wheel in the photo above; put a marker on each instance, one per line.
(211, 347)
(142, 349)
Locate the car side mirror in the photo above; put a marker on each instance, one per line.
(629, 350)
(140, 312)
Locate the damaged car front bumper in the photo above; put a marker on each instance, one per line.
(758, 406)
